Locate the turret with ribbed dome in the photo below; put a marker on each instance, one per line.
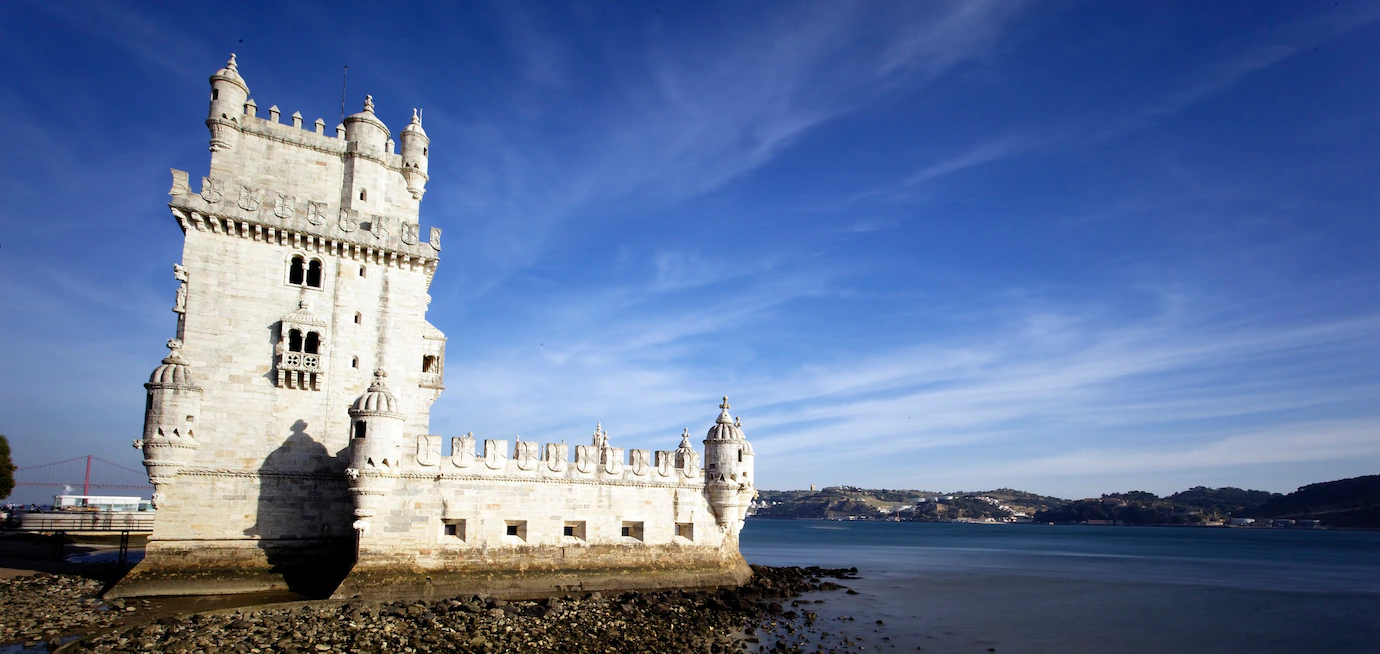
(172, 406)
(728, 470)
(375, 448)
(228, 95)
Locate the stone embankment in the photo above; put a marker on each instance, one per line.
(751, 618)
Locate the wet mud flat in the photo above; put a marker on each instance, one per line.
(772, 613)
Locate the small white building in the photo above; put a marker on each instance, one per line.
(103, 503)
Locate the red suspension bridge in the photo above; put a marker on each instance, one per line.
(89, 472)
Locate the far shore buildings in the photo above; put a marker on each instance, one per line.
(287, 431)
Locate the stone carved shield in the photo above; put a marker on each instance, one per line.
(316, 213)
(408, 233)
(586, 458)
(349, 220)
(249, 198)
(613, 460)
(556, 455)
(211, 190)
(526, 455)
(436, 238)
(287, 204)
(640, 462)
(428, 450)
(665, 463)
(495, 454)
(462, 451)
(377, 228)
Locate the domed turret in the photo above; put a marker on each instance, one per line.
(728, 470)
(228, 96)
(377, 401)
(375, 448)
(172, 406)
(174, 371)
(366, 129)
(415, 148)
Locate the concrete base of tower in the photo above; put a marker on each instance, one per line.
(311, 568)
(525, 573)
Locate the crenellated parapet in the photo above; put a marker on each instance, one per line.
(529, 460)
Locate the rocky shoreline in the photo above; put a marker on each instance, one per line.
(763, 615)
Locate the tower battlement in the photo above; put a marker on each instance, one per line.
(287, 433)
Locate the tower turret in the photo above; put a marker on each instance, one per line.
(365, 129)
(172, 406)
(415, 148)
(376, 424)
(728, 470)
(228, 96)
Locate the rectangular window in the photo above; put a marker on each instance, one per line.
(574, 530)
(632, 530)
(428, 363)
(455, 529)
(516, 529)
(686, 530)
(359, 429)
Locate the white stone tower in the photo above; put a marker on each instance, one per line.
(303, 272)
(283, 456)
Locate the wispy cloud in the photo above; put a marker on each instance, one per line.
(690, 115)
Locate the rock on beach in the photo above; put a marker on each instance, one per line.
(750, 618)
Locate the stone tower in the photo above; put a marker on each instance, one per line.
(287, 431)
(303, 274)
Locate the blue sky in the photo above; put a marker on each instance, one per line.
(1068, 248)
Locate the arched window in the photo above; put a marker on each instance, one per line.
(314, 273)
(215, 94)
(361, 271)
(297, 270)
(314, 344)
(294, 341)
(359, 318)
(740, 452)
(423, 152)
(354, 362)
(364, 194)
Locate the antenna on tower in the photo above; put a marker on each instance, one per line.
(343, 77)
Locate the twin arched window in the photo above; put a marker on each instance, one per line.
(309, 345)
(302, 272)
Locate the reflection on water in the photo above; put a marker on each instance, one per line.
(952, 587)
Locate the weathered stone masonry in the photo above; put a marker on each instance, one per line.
(286, 433)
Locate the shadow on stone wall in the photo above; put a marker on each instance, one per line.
(304, 515)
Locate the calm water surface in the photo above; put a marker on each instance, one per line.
(1042, 588)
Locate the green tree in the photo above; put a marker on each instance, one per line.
(6, 469)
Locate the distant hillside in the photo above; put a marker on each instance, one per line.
(850, 502)
(1343, 503)
(1351, 502)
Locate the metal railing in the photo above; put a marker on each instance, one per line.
(86, 521)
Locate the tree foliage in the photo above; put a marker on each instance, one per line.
(6, 469)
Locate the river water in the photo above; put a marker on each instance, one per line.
(1045, 588)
